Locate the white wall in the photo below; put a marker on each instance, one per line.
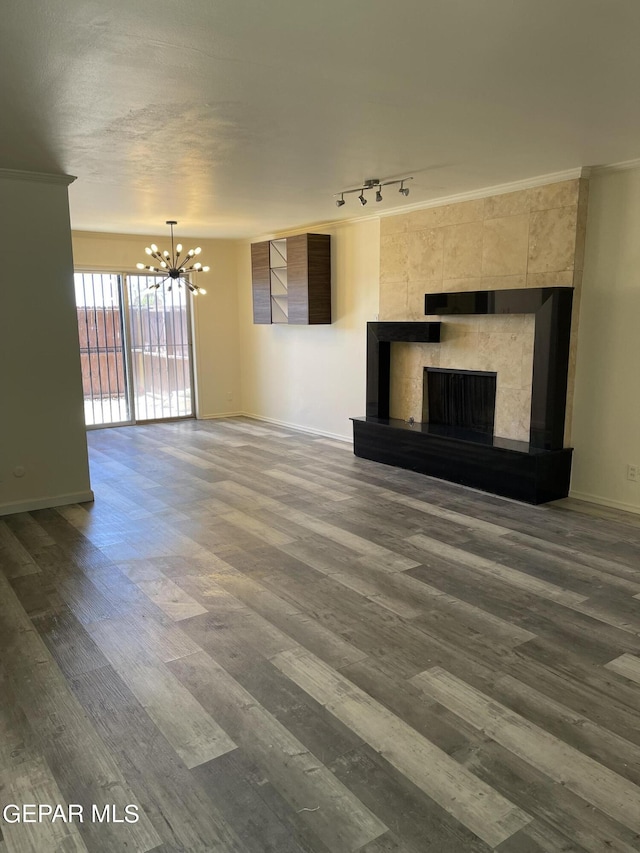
(606, 425)
(215, 315)
(314, 377)
(42, 422)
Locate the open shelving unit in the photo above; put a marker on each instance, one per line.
(278, 281)
(291, 280)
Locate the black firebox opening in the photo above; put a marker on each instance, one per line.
(460, 398)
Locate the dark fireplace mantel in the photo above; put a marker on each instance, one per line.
(552, 309)
(535, 472)
(379, 339)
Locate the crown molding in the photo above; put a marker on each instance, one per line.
(471, 195)
(119, 236)
(313, 226)
(38, 177)
(497, 189)
(624, 166)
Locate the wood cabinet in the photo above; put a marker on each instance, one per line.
(291, 279)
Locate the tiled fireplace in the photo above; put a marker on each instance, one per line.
(527, 239)
(503, 273)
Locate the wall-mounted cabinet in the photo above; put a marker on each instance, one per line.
(291, 279)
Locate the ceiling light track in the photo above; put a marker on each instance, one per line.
(373, 184)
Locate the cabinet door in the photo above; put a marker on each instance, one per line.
(261, 284)
(309, 276)
(319, 278)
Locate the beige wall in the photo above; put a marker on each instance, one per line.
(607, 398)
(314, 377)
(530, 238)
(42, 431)
(215, 315)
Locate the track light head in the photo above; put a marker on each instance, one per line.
(363, 200)
(378, 195)
(340, 201)
(403, 190)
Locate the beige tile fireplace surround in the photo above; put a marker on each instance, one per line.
(529, 238)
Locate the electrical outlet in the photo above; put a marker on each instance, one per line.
(229, 396)
(632, 473)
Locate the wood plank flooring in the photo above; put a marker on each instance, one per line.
(271, 646)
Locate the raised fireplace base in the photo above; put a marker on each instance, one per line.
(512, 469)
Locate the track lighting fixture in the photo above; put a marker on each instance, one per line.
(373, 183)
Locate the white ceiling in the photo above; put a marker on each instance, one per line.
(243, 117)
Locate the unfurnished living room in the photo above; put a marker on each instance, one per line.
(320, 426)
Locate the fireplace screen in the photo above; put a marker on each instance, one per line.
(465, 399)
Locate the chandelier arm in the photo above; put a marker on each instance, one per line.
(153, 273)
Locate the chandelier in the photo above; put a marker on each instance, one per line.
(172, 267)
(373, 184)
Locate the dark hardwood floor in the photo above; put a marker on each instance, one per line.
(269, 645)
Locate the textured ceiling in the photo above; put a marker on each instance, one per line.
(240, 117)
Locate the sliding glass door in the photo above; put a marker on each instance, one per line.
(160, 350)
(101, 328)
(135, 349)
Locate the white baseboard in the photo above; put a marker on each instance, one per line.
(308, 430)
(597, 499)
(219, 415)
(46, 503)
